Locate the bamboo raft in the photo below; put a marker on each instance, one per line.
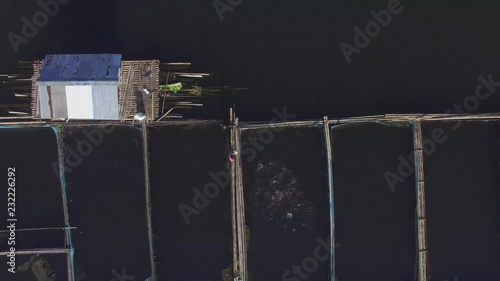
(142, 89)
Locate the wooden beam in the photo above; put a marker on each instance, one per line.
(328, 152)
(148, 198)
(423, 267)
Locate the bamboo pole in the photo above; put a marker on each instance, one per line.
(148, 198)
(62, 178)
(328, 151)
(38, 252)
(420, 212)
(240, 203)
(153, 105)
(165, 115)
(236, 268)
(39, 229)
(258, 126)
(15, 117)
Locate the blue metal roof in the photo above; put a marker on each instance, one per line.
(78, 67)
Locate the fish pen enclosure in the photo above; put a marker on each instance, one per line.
(105, 180)
(374, 217)
(461, 175)
(286, 202)
(190, 204)
(38, 208)
(30, 160)
(405, 197)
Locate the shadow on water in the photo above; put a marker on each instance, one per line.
(106, 199)
(374, 226)
(462, 202)
(286, 204)
(194, 244)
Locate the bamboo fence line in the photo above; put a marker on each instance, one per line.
(331, 197)
(237, 195)
(421, 219)
(234, 227)
(67, 232)
(147, 189)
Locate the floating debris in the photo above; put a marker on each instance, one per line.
(140, 116)
(278, 197)
(40, 267)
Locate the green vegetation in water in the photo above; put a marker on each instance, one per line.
(172, 88)
(176, 87)
(196, 90)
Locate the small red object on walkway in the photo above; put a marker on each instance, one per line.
(232, 155)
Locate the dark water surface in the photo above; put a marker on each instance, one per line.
(195, 246)
(286, 203)
(374, 225)
(106, 200)
(38, 199)
(462, 201)
(287, 53)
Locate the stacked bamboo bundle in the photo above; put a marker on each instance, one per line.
(19, 92)
(192, 89)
